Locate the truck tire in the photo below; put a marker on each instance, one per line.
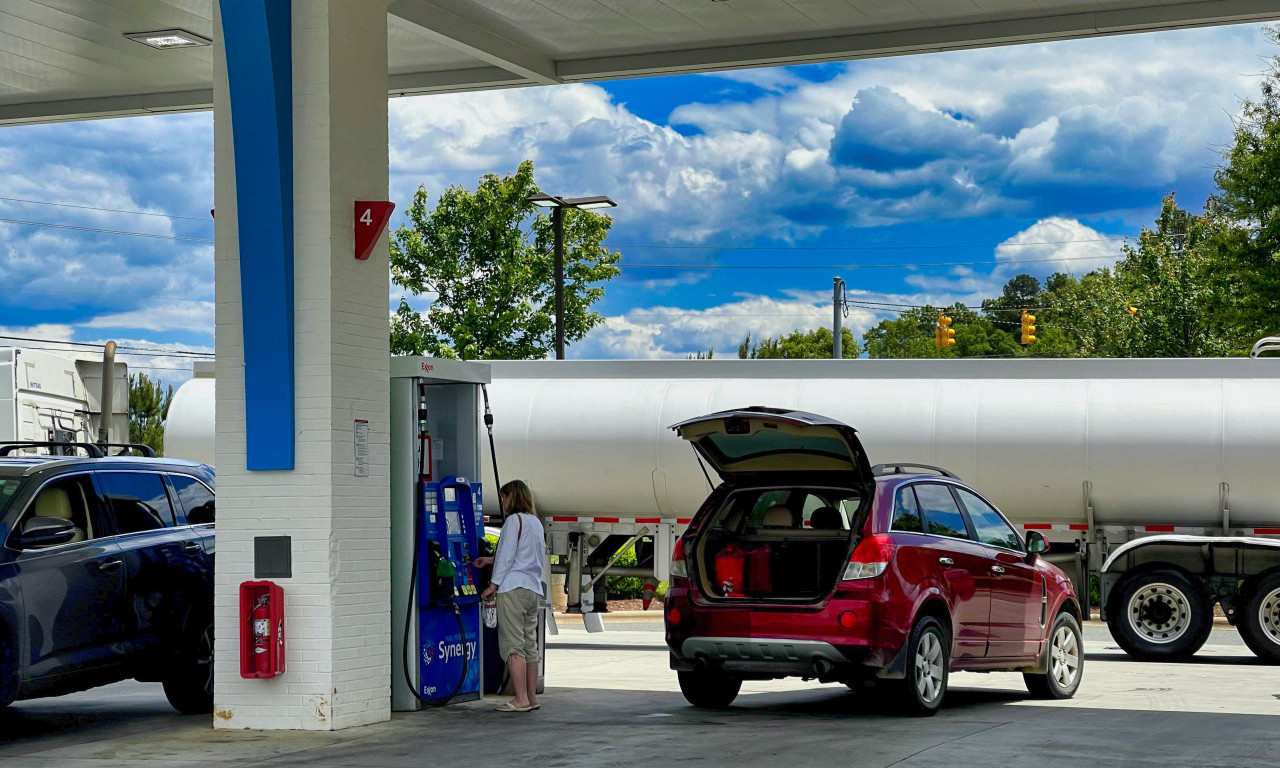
(1160, 615)
(1260, 625)
(189, 685)
(921, 692)
(1065, 663)
(709, 688)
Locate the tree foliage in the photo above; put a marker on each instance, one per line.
(800, 345)
(488, 271)
(1194, 284)
(148, 410)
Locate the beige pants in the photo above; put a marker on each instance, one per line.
(518, 624)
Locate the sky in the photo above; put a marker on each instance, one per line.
(740, 194)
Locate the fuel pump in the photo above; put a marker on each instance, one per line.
(437, 521)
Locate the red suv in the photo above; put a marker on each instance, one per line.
(807, 561)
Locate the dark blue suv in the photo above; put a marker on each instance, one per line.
(106, 573)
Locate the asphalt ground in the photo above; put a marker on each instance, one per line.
(613, 701)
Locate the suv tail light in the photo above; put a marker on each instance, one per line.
(870, 558)
(679, 570)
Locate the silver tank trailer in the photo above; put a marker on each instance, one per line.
(1155, 439)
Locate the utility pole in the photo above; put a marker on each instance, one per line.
(838, 310)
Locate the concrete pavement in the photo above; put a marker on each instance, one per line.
(614, 702)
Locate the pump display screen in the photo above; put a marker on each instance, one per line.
(452, 522)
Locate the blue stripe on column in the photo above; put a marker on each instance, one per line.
(256, 37)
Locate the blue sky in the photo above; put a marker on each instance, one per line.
(1047, 154)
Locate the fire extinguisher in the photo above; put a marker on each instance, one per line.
(260, 618)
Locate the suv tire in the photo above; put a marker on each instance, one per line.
(709, 688)
(928, 651)
(1160, 615)
(1064, 662)
(8, 677)
(1260, 626)
(189, 685)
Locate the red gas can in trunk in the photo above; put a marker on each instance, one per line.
(730, 564)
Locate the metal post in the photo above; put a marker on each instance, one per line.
(108, 396)
(837, 331)
(557, 224)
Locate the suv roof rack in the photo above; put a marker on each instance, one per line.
(141, 449)
(91, 450)
(898, 467)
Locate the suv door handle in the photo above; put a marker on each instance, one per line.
(997, 569)
(946, 561)
(191, 547)
(109, 565)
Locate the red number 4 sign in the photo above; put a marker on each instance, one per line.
(371, 219)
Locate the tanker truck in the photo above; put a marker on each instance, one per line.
(1155, 481)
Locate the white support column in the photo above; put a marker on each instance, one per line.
(337, 603)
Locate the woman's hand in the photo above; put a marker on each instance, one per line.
(489, 592)
(482, 562)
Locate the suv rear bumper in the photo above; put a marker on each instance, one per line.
(761, 655)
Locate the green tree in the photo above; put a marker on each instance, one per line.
(911, 335)
(800, 345)
(1249, 195)
(488, 271)
(148, 409)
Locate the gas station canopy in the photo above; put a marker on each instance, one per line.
(73, 59)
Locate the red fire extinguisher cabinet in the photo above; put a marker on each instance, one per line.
(261, 629)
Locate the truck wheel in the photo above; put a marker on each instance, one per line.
(928, 662)
(1160, 615)
(1065, 662)
(189, 685)
(709, 688)
(1260, 627)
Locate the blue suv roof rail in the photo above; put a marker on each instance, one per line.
(900, 467)
(142, 449)
(9, 448)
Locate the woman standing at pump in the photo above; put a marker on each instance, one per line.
(517, 582)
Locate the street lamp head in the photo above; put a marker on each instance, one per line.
(543, 200)
(587, 203)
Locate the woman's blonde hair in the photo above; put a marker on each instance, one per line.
(519, 497)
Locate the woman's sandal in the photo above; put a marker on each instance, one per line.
(509, 707)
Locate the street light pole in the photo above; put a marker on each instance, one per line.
(557, 225)
(837, 331)
(557, 206)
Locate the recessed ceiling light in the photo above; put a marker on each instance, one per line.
(164, 39)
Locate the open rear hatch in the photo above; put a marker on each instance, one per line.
(798, 486)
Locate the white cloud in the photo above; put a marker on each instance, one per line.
(1058, 244)
(195, 316)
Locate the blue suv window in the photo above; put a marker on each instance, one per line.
(137, 500)
(942, 517)
(196, 499)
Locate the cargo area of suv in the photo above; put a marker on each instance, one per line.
(782, 526)
(777, 544)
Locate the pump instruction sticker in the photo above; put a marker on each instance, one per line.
(361, 431)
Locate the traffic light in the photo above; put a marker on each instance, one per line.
(1028, 327)
(943, 335)
(1132, 309)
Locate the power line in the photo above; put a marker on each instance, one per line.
(676, 247)
(150, 351)
(105, 210)
(917, 265)
(98, 230)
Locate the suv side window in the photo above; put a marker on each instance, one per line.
(906, 513)
(942, 516)
(137, 500)
(990, 526)
(66, 498)
(197, 500)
